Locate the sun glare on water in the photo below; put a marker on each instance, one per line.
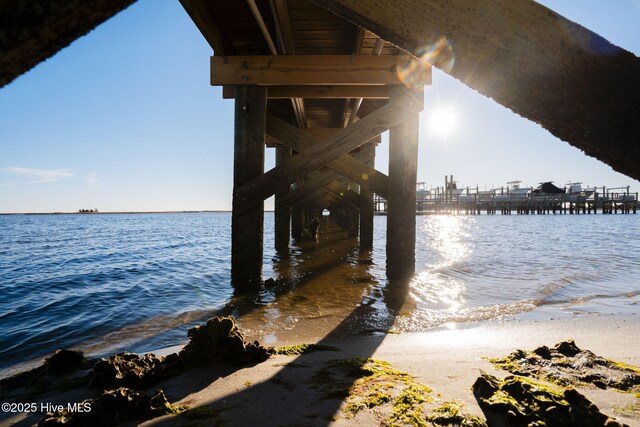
(442, 121)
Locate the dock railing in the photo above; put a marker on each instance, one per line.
(474, 201)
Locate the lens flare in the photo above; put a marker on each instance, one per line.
(415, 73)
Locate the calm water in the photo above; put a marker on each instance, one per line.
(109, 282)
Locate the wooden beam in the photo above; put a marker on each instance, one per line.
(346, 165)
(357, 48)
(322, 134)
(554, 72)
(302, 192)
(342, 142)
(205, 24)
(329, 197)
(280, 13)
(319, 92)
(348, 195)
(307, 70)
(335, 191)
(353, 116)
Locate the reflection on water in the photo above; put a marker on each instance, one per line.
(317, 286)
(481, 267)
(109, 282)
(468, 268)
(437, 285)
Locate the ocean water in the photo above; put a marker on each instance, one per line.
(105, 283)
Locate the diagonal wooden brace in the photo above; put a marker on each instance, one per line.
(344, 193)
(346, 165)
(342, 142)
(319, 180)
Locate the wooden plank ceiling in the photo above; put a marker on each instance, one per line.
(296, 27)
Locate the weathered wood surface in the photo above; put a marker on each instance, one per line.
(319, 92)
(366, 206)
(342, 142)
(574, 83)
(207, 27)
(247, 219)
(315, 182)
(401, 203)
(343, 192)
(346, 165)
(306, 70)
(32, 31)
(282, 220)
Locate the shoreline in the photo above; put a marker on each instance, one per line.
(445, 359)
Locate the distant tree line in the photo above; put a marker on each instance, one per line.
(88, 211)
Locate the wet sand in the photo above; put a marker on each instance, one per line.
(280, 391)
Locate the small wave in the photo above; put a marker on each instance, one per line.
(423, 319)
(584, 298)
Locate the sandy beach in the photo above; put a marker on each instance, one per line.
(284, 389)
(278, 392)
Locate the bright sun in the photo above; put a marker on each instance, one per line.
(442, 121)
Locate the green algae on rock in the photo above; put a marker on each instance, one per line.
(452, 414)
(217, 341)
(567, 365)
(632, 410)
(299, 349)
(519, 401)
(133, 371)
(397, 398)
(111, 408)
(201, 413)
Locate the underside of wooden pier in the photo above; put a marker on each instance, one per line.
(318, 80)
(330, 89)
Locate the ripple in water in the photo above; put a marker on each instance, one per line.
(110, 282)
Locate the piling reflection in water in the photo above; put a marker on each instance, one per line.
(468, 268)
(139, 282)
(317, 286)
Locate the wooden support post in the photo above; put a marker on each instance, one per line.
(247, 221)
(354, 222)
(282, 213)
(366, 207)
(296, 223)
(296, 217)
(401, 213)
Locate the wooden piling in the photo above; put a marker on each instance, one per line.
(296, 222)
(247, 224)
(401, 210)
(366, 207)
(282, 220)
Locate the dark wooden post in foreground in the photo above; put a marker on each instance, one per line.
(401, 211)
(282, 210)
(296, 217)
(247, 222)
(366, 206)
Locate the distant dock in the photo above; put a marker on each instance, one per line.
(546, 199)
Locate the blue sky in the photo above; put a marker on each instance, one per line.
(125, 120)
